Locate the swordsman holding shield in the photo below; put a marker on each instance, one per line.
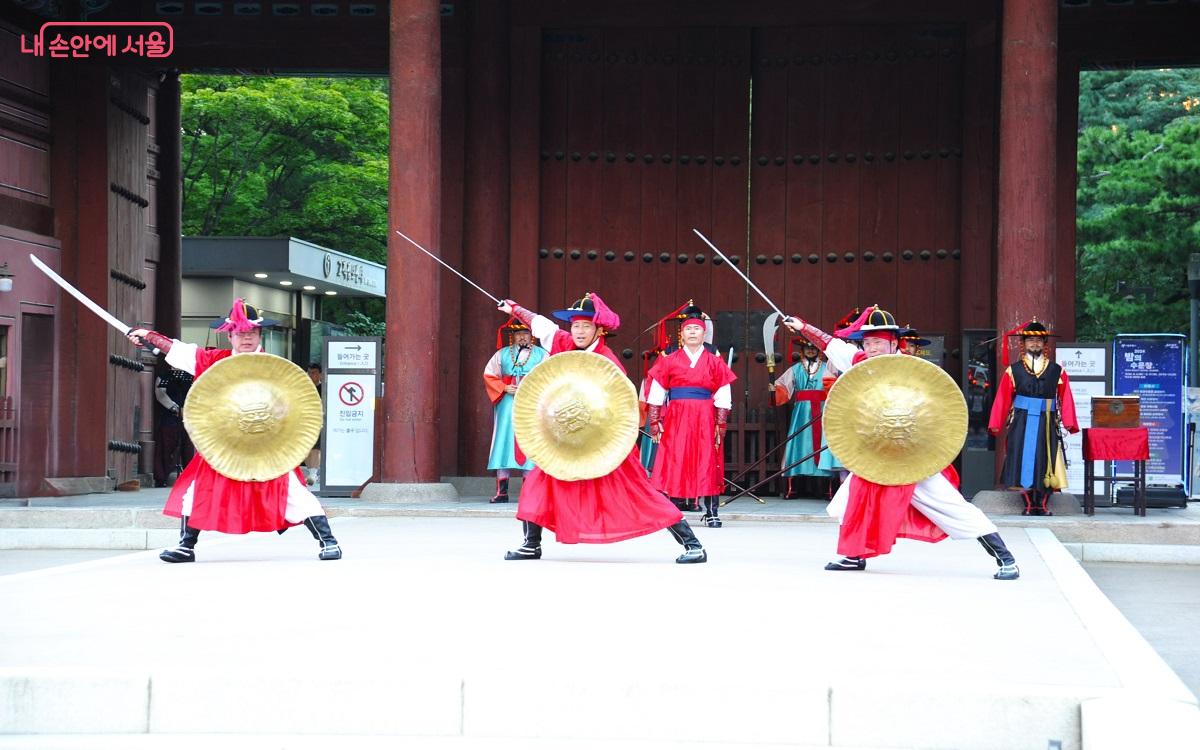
(896, 418)
(239, 412)
(562, 414)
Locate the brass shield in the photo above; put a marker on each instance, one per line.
(576, 416)
(253, 417)
(895, 419)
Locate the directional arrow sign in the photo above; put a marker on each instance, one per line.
(348, 355)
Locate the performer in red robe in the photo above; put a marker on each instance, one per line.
(203, 499)
(690, 429)
(872, 515)
(619, 505)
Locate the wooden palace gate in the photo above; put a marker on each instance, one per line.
(825, 162)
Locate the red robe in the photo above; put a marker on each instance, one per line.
(877, 515)
(223, 504)
(619, 505)
(687, 463)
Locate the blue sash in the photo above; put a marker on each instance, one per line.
(1033, 408)
(692, 392)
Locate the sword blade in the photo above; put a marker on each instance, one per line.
(448, 267)
(737, 270)
(769, 327)
(105, 315)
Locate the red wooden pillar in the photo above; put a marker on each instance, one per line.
(1027, 215)
(410, 401)
(1027, 190)
(486, 219)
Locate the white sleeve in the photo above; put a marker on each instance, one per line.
(543, 330)
(493, 366)
(183, 356)
(723, 398)
(658, 394)
(788, 380)
(841, 354)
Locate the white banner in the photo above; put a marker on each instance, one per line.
(1073, 445)
(1081, 361)
(352, 355)
(349, 428)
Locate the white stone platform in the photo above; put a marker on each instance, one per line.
(424, 631)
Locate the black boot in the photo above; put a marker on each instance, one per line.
(319, 526)
(710, 518)
(1028, 504)
(1042, 504)
(996, 548)
(693, 551)
(847, 563)
(532, 547)
(501, 491)
(185, 551)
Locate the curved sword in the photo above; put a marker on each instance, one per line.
(770, 325)
(105, 315)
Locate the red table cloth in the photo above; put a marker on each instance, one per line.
(1116, 444)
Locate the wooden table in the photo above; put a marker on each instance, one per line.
(1115, 444)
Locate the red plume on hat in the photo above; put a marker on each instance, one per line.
(661, 339)
(242, 318)
(842, 333)
(604, 318)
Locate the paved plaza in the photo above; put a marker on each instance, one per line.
(422, 630)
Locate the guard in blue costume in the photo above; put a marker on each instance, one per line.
(501, 376)
(802, 384)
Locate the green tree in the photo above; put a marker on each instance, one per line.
(1138, 221)
(305, 157)
(1137, 99)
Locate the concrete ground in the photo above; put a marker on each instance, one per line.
(1163, 603)
(422, 630)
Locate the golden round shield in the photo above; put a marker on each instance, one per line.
(253, 417)
(895, 419)
(576, 416)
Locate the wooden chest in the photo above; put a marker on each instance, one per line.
(1116, 411)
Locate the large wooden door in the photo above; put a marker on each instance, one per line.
(645, 136)
(855, 187)
(131, 211)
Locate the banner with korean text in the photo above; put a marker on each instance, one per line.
(1154, 368)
